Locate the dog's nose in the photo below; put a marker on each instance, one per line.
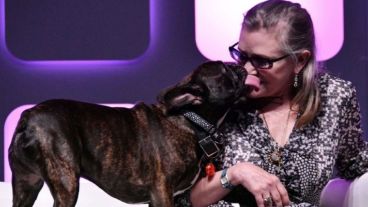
(240, 71)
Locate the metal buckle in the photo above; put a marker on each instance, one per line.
(209, 147)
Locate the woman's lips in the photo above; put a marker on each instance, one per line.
(253, 82)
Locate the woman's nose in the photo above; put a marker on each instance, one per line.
(250, 68)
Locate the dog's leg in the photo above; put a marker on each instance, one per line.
(64, 190)
(26, 179)
(61, 174)
(162, 193)
(25, 188)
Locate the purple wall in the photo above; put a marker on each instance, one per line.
(155, 51)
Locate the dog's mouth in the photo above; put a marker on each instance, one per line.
(250, 82)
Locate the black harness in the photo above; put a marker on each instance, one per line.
(212, 140)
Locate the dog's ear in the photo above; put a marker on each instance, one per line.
(179, 97)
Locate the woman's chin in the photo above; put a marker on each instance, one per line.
(256, 94)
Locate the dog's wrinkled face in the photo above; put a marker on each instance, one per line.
(212, 84)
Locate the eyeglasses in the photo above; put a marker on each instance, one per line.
(257, 61)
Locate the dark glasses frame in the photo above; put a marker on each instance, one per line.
(256, 61)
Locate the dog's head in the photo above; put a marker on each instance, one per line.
(213, 87)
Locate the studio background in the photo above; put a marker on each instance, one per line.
(157, 52)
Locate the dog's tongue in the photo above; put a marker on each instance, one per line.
(252, 81)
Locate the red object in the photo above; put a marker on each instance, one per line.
(210, 169)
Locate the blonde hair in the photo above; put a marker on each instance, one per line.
(296, 34)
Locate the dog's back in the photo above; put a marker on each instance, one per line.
(124, 151)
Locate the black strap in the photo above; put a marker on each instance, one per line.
(195, 118)
(208, 145)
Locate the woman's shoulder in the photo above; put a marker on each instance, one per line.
(331, 85)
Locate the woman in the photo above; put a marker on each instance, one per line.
(300, 123)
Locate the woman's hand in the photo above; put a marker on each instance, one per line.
(260, 183)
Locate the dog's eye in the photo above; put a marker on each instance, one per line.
(197, 89)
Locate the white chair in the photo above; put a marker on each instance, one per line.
(343, 193)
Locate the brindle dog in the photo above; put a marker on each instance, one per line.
(143, 154)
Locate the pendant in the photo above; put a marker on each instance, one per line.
(276, 157)
(210, 169)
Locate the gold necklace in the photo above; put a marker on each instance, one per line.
(276, 156)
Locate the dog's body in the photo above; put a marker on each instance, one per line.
(143, 154)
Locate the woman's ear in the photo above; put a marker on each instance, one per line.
(302, 60)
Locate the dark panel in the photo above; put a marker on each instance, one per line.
(77, 29)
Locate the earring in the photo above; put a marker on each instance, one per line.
(296, 84)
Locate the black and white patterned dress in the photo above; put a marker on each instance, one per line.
(332, 142)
